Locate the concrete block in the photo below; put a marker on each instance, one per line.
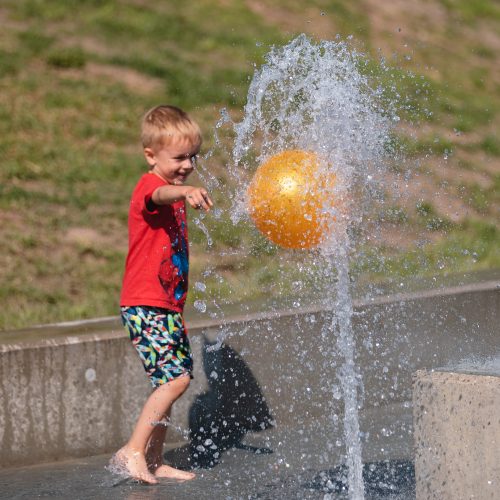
(457, 436)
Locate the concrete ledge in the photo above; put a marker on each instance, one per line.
(457, 436)
(79, 394)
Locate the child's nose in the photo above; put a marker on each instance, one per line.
(188, 164)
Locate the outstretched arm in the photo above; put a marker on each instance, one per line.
(197, 197)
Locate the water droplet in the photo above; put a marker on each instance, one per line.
(200, 305)
(336, 392)
(90, 375)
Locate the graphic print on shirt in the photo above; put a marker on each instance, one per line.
(173, 273)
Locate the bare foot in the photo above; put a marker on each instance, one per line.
(130, 463)
(170, 472)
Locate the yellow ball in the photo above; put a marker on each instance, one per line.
(286, 199)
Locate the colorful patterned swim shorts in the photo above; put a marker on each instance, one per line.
(160, 338)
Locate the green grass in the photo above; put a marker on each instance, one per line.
(472, 246)
(471, 12)
(491, 145)
(70, 154)
(421, 146)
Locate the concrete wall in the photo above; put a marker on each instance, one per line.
(78, 393)
(457, 436)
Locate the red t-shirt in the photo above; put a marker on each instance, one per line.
(157, 265)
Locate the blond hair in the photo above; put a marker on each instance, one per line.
(163, 123)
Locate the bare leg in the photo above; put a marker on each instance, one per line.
(132, 457)
(154, 449)
(154, 455)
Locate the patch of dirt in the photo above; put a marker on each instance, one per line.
(490, 38)
(421, 29)
(86, 237)
(487, 164)
(404, 238)
(437, 180)
(398, 22)
(7, 22)
(455, 175)
(422, 187)
(93, 46)
(311, 20)
(83, 236)
(132, 79)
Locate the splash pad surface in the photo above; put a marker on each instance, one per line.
(243, 474)
(297, 466)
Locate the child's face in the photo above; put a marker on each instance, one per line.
(175, 161)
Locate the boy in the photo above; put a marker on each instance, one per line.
(155, 282)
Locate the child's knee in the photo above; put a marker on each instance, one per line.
(182, 383)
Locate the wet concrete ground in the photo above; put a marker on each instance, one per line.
(241, 474)
(88, 479)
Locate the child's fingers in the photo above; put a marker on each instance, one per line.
(200, 200)
(205, 205)
(192, 201)
(202, 203)
(207, 199)
(207, 202)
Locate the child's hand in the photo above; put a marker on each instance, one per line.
(198, 198)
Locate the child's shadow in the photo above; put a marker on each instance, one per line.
(220, 417)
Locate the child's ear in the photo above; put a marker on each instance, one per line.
(150, 156)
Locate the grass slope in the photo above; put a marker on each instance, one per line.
(75, 77)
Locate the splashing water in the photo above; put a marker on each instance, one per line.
(315, 97)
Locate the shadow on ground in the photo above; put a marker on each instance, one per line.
(220, 417)
(381, 479)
